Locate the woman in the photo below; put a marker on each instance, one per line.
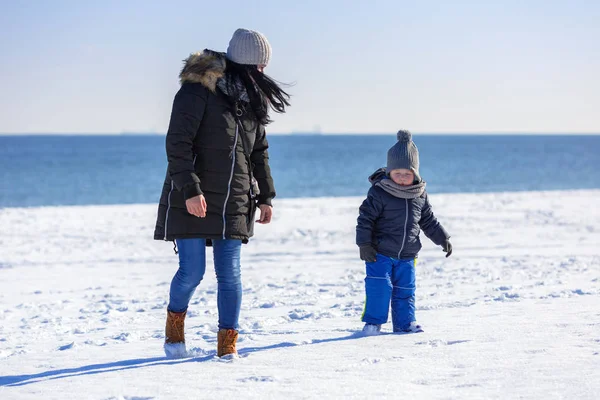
(218, 173)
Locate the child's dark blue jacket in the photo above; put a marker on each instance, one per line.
(392, 225)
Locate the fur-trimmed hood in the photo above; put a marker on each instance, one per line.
(205, 67)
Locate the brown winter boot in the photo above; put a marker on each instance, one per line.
(175, 325)
(226, 339)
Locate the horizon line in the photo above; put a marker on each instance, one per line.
(316, 133)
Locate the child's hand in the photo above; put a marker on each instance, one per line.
(447, 247)
(368, 253)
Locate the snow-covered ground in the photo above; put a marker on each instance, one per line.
(514, 313)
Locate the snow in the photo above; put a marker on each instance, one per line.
(513, 313)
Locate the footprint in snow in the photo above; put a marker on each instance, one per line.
(67, 346)
(258, 379)
(439, 342)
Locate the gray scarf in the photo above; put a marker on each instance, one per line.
(240, 89)
(402, 192)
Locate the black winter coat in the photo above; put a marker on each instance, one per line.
(392, 225)
(206, 156)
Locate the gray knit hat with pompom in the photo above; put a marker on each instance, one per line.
(249, 47)
(404, 154)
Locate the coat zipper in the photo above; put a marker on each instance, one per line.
(168, 209)
(405, 222)
(169, 201)
(230, 179)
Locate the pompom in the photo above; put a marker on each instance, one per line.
(404, 136)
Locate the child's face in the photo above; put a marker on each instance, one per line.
(403, 177)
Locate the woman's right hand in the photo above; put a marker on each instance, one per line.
(196, 206)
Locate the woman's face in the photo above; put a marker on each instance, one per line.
(261, 67)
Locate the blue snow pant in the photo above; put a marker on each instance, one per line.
(192, 265)
(390, 279)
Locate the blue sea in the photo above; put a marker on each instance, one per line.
(80, 170)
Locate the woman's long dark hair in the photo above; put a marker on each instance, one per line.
(263, 91)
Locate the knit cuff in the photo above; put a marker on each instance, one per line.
(192, 191)
(267, 201)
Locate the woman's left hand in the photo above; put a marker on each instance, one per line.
(266, 213)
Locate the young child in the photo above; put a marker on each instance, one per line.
(391, 217)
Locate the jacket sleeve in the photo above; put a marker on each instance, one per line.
(430, 225)
(186, 116)
(262, 170)
(370, 210)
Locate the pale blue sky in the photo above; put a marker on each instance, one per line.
(358, 66)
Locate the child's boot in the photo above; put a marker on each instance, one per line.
(412, 328)
(371, 329)
(174, 335)
(226, 341)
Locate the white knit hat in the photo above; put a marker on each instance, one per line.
(249, 48)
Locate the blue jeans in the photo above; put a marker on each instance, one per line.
(192, 265)
(390, 279)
